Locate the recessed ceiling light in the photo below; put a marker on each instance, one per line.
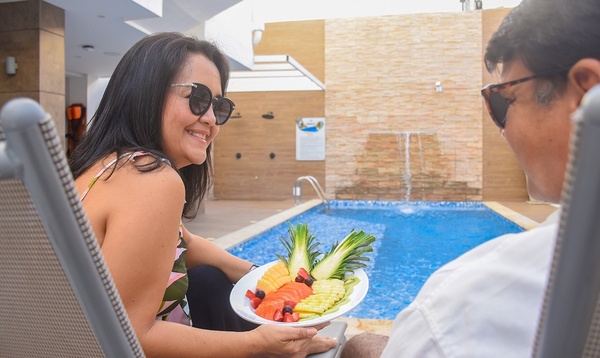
(88, 48)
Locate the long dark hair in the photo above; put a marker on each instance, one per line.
(129, 116)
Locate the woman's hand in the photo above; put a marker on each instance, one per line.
(287, 341)
(204, 252)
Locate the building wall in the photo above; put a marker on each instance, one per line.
(255, 176)
(33, 32)
(390, 135)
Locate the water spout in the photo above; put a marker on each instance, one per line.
(407, 174)
(421, 167)
(408, 171)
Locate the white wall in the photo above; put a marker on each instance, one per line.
(87, 90)
(76, 90)
(96, 87)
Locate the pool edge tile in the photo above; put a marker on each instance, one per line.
(246, 233)
(357, 326)
(511, 215)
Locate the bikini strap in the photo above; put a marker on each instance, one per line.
(130, 155)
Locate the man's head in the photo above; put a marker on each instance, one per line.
(557, 44)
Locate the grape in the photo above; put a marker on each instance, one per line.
(260, 294)
(287, 309)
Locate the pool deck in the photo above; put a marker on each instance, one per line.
(228, 222)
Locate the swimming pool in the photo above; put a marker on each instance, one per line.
(413, 240)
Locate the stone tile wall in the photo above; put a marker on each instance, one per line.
(390, 135)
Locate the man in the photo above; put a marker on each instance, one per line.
(487, 302)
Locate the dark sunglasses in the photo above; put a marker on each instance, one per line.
(201, 98)
(497, 105)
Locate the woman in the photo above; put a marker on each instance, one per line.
(142, 166)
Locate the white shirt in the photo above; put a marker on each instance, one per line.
(486, 303)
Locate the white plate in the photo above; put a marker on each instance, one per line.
(241, 304)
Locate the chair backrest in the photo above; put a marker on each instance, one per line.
(570, 320)
(57, 298)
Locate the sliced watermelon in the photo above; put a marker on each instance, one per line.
(291, 291)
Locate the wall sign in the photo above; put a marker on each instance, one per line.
(310, 138)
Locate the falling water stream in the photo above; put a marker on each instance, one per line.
(408, 175)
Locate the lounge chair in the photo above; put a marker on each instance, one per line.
(57, 298)
(336, 330)
(570, 321)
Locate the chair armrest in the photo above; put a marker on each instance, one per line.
(335, 330)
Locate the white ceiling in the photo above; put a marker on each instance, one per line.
(113, 26)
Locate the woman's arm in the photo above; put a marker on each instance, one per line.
(140, 216)
(170, 339)
(204, 252)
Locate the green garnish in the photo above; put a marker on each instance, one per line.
(344, 257)
(301, 249)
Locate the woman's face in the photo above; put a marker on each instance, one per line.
(187, 136)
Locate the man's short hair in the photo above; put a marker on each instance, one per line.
(547, 35)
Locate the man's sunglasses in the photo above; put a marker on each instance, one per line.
(201, 98)
(497, 105)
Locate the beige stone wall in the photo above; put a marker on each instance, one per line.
(255, 175)
(390, 135)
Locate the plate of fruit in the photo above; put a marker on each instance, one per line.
(305, 287)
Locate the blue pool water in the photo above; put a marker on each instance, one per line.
(413, 239)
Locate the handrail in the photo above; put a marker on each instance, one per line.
(315, 184)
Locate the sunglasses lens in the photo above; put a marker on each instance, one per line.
(200, 100)
(499, 108)
(222, 109)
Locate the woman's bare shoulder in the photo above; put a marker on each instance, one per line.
(160, 184)
(147, 202)
(128, 186)
(127, 196)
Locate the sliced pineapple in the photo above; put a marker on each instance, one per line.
(326, 293)
(301, 249)
(344, 257)
(331, 284)
(275, 277)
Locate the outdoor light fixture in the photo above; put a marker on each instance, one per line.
(268, 115)
(258, 28)
(257, 36)
(466, 5)
(438, 87)
(11, 65)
